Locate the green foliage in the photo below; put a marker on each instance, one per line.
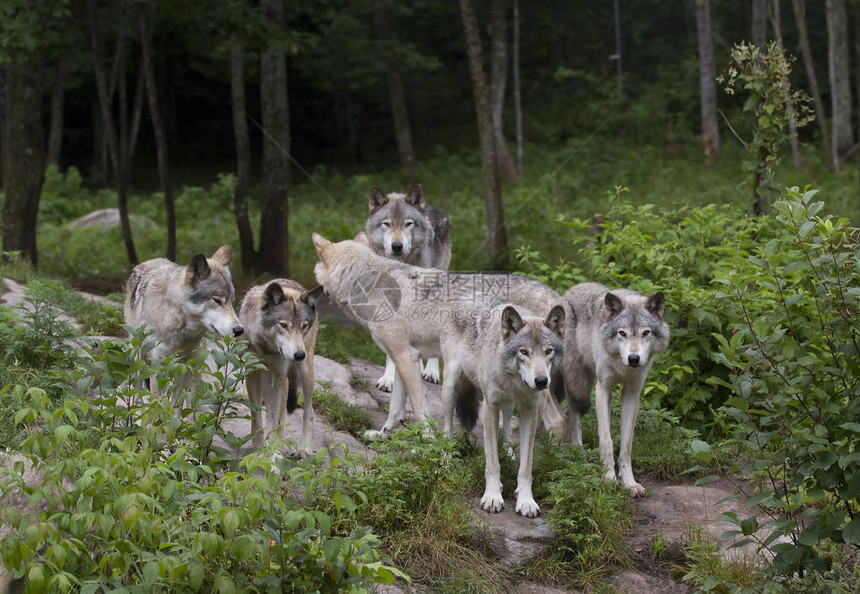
(679, 252)
(139, 494)
(341, 342)
(37, 335)
(793, 357)
(589, 514)
(765, 79)
(707, 569)
(342, 415)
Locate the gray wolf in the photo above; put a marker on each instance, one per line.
(181, 303)
(618, 334)
(280, 322)
(509, 358)
(408, 309)
(407, 229)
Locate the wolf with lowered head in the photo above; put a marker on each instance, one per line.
(280, 322)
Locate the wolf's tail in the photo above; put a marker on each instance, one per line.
(467, 401)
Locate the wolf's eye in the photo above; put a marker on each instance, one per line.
(284, 325)
(409, 223)
(549, 352)
(646, 333)
(218, 301)
(622, 333)
(386, 224)
(524, 352)
(305, 325)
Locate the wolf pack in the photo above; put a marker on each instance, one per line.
(507, 343)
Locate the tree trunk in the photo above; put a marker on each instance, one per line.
(776, 20)
(489, 169)
(809, 65)
(857, 79)
(518, 107)
(399, 113)
(109, 131)
(243, 156)
(160, 136)
(25, 155)
(4, 129)
(710, 131)
(498, 85)
(759, 24)
(272, 256)
(58, 98)
(840, 82)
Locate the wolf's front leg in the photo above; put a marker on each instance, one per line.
(306, 378)
(386, 381)
(396, 410)
(526, 504)
(602, 404)
(408, 365)
(276, 405)
(431, 371)
(492, 500)
(629, 412)
(253, 383)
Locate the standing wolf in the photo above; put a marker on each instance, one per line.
(617, 335)
(182, 303)
(408, 310)
(509, 359)
(280, 321)
(407, 229)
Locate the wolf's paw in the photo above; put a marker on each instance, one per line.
(431, 375)
(609, 475)
(636, 490)
(385, 383)
(372, 434)
(492, 503)
(528, 508)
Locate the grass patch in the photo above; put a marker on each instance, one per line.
(590, 516)
(707, 570)
(661, 446)
(342, 343)
(342, 415)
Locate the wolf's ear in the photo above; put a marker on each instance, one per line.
(416, 197)
(319, 242)
(511, 322)
(555, 320)
(656, 304)
(274, 295)
(361, 237)
(224, 255)
(310, 296)
(377, 199)
(197, 269)
(613, 304)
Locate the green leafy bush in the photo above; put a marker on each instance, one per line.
(795, 363)
(680, 252)
(139, 494)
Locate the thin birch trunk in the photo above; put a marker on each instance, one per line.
(489, 169)
(710, 131)
(799, 8)
(243, 156)
(160, 136)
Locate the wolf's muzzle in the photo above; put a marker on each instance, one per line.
(541, 382)
(299, 356)
(396, 248)
(633, 360)
(238, 331)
